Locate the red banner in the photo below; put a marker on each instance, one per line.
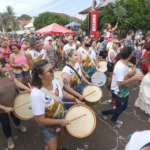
(94, 20)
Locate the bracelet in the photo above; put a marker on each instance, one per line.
(74, 99)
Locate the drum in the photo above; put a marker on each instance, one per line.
(22, 112)
(98, 78)
(83, 126)
(93, 99)
(103, 66)
(130, 64)
(57, 76)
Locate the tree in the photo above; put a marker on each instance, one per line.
(24, 17)
(7, 29)
(48, 18)
(9, 18)
(137, 13)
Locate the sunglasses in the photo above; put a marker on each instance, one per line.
(50, 40)
(50, 71)
(117, 43)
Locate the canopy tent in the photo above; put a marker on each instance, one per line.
(73, 24)
(54, 29)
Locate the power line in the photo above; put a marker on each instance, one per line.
(53, 2)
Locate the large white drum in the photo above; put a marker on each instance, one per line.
(57, 76)
(93, 99)
(103, 66)
(98, 78)
(83, 126)
(22, 112)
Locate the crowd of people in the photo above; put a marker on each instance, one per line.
(33, 58)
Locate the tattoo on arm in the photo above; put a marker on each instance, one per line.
(65, 81)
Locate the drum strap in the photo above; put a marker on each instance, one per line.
(78, 76)
(74, 71)
(51, 95)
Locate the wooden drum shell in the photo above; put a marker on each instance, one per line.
(21, 98)
(92, 103)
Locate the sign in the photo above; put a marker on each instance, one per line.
(94, 20)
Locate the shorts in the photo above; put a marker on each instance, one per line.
(46, 134)
(23, 74)
(110, 67)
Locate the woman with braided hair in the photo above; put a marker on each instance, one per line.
(48, 112)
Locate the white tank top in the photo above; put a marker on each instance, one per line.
(36, 56)
(75, 81)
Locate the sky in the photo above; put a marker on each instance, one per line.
(35, 7)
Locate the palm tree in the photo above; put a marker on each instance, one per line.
(119, 10)
(9, 18)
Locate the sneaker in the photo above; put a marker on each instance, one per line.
(10, 144)
(110, 101)
(114, 107)
(117, 122)
(104, 117)
(22, 128)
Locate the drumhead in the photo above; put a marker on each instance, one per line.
(22, 112)
(103, 66)
(83, 126)
(57, 76)
(94, 97)
(98, 78)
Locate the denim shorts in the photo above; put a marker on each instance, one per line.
(46, 134)
(23, 74)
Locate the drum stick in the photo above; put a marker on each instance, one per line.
(93, 78)
(77, 118)
(21, 105)
(73, 103)
(89, 94)
(29, 85)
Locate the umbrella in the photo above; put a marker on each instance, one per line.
(73, 24)
(54, 29)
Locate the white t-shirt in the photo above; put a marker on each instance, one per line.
(36, 56)
(27, 51)
(42, 103)
(138, 140)
(120, 74)
(87, 63)
(108, 45)
(67, 47)
(75, 81)
(111, 51)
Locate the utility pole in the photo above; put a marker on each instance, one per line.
(93, 5)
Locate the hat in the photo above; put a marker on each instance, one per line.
(25, 36)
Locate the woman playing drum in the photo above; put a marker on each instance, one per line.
(72, 75)
(48, 113)
(7, 85)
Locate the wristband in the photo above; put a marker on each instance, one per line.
(74, 99)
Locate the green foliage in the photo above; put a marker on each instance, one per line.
(7, 29)
(9, 18)
(136, 12)
(48, 18)
(24, 17)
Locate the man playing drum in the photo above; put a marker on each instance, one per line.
(87, 59)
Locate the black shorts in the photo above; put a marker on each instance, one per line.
(110, 67)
